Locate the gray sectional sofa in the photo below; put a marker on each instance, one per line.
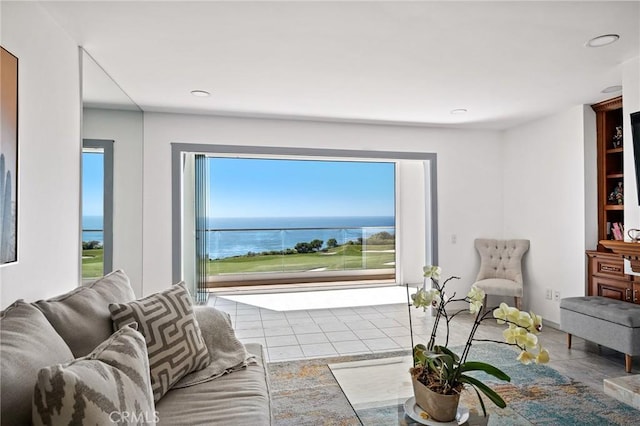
(64, 331)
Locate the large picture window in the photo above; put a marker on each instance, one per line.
(317, 217)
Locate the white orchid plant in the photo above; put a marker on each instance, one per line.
(443, 371)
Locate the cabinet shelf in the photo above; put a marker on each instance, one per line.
(614, 207)
(610, 165)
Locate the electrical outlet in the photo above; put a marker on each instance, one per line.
(549, 294)
(556, 296)
(454, 238)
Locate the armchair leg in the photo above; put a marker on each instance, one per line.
(568, 340)
(628, 363)
(518, 302)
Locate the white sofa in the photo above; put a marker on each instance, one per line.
(59, 330)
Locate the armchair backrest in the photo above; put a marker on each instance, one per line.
(501, 258)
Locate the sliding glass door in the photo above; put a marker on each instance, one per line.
(296, 215)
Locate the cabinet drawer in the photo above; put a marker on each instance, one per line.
(614, 289)
(608, 267)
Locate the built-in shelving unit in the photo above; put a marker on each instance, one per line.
(605, 270)
(610, 168)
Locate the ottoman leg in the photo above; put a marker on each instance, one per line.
(568, 340)
(628, 363)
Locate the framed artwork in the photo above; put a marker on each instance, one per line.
(8, 157)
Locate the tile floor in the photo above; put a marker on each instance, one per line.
(303, 334)
(316, 333)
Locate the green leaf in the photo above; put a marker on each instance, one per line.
(420, 354)
(448, 351)
(487, 368)
(484, 410)
(442, 362)
(493, 396)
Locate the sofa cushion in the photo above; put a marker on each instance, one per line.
(174, 341)
(500, 287)
(27, 343)
(111, 385)
(82, 316)
(240, 399)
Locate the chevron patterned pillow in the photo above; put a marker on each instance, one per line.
(111, 385)
(174, 341)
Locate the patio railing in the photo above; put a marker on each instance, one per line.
(246, 251)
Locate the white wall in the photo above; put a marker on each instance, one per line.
(630, 103)
(469, 177)
(546, 199)
(125, 129)
(49, 153)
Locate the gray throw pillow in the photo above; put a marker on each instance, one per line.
(82, 316)
(27, 343)
(111, 385)
(174, 340)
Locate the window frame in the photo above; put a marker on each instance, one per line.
(178, 149)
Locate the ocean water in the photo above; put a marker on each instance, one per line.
(238, 236)
(94, 225)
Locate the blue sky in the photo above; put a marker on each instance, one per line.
(92, 184)
(242, 187)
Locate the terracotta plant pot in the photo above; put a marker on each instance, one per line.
(442, 408)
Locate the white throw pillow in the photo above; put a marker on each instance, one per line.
(111, 385)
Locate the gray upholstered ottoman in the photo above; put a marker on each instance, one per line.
(607, 322)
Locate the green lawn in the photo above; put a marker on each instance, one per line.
(340, 258)
(92, 263)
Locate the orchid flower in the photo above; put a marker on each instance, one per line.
(476, 299)
(537, 323)
(431, 271)
(543, 355)
(476, 294)
(525, 357)
(524, 320)
(515, 335)
(475, 307)
(506, 313)
(425, 298)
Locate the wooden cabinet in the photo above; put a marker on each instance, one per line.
(605, 271)
(610, 167)
(606, 277)
(636, 293)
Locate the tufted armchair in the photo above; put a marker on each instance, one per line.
(501, 268)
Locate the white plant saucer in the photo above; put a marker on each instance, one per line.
(419, 415)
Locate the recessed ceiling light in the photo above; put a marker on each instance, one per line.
(459, 111)
(200, 93)
(603, 40)
(612, 89)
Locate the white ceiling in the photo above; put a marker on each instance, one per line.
(405, 62)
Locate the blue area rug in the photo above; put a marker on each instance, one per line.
(540, 395)
(306, 393)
